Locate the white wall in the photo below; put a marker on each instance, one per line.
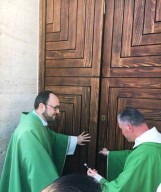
(19, 28)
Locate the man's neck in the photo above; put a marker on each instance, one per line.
(141, 129)
(40, 116)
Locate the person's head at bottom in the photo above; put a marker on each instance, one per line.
(74, 183)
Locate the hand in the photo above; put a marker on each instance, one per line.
(91, 172)
(104, 151)
(83, 138)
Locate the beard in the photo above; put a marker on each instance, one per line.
(47, 117)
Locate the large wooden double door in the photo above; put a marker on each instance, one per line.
(99, 57)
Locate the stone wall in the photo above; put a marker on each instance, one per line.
(19, 36)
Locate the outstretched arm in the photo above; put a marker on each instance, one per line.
(81, 139)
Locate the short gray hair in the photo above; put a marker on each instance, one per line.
(131, 115)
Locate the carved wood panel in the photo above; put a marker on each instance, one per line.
(70, 59)
(126, 92)
(118, 93)
(130, 72)
(73, 37)
(78, 113)
(131, 68)
(132, 39)
(132, 48)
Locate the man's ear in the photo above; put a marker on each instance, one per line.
(130, 127)
(41, 106)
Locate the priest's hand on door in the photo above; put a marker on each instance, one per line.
(83, 138)
(104, 151)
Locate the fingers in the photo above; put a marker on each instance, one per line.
(82, 133)
(83, 138)
(85, 135)
(104, 151)
(86, 138)
(84, 141)
(82, 144)
(91, 172)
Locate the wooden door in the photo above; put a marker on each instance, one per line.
(91, 91)
(131, 68)
(70, 58)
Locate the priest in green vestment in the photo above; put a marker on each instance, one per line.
(137, 170)
(36, 154)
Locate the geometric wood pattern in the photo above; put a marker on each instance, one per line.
(131, 68)
(125, 92)
(129, 75)
(78, 113)
(132, 39)
(73, 37)
(70, 60)
(144, 94)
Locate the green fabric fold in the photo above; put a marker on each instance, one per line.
(141, 171)
(116, 161)
(35, 157)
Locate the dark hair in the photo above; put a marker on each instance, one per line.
(132, 116)
(42, 98)
(74, 183)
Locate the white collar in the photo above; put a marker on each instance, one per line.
(42, 120)
(151, 135)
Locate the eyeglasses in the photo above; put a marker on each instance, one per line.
(54, 107)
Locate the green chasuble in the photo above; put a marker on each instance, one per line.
(141, 171)
(115, 163)
(35, 157)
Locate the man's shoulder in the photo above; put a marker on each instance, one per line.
(29, 123)
(149, 145)
(146, 149)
